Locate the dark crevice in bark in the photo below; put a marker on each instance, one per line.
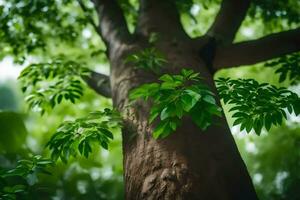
(207, 53)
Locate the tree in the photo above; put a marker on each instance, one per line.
(189, 162)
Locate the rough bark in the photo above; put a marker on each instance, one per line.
(189, 164)
(112, 25)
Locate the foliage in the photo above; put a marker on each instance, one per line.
(47, 84)
(256, 105)
(30, 24)
(13, 132)
(24, 169)
(287, 67)
(184, 7)
(272, 10)
(274, 162)
(74, 136)
(98, 177)
(175, 97)
(7, 101)
(42, 29)
(149, 59)
(130, 9)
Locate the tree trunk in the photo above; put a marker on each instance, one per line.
(190, 163)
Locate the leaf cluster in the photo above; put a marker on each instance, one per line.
(47, 84)
(257, 105)
(149, 59)
(24, 168)
(77, 136)
(28, 25)
(177, 96)
(288, 67)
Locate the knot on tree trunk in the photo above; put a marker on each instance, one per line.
(167, 183)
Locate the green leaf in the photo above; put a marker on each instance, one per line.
(107, 133)
(209, 99)
(160, 129)
(87, 149)
(63, 82)
(175, 97)
(288, 67)
(263, 103)
(195, 96)
(155, 111)
(173, 125)
(186, 72)
(104, 145)
(188, 102)
(59, 98)
(81, 133)
(258, 126)
(168, 111)
(149, 59)
(238, 121)
(168, 86)
(166, 78)
(137, 93)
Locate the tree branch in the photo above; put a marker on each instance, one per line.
(89, 18)
(254, 51)
(99, 83)
(228, 20)
(160, 16)
(112, 23)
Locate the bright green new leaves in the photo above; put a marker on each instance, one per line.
(149, 59)
(77, 136)
(23, 169)
(177, 96)
(256, 105)
(288, 67)
(47, 84)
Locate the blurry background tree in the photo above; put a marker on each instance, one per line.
(61, 32)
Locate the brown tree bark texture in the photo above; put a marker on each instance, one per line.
(189, 164)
